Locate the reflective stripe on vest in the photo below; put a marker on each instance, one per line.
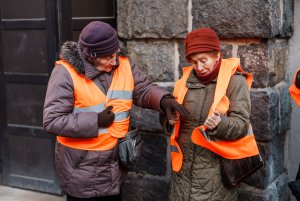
(235, 149)
(89, 98)
(294, 91)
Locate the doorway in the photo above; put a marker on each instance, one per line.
(31, 33)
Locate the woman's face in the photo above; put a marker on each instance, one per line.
(203, 63)
(105, 63)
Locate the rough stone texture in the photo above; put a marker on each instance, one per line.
(277, 50)
(145, 119)
(282, 187)
(242, 19)
(182, 60)
(264, 113)
(153, 159)
(249, 193)
(277, 191)
(254, 58)
(285, 106)
(270, 110)
(266, 61)
(181, 50)
(273, 156)
(226, 50)
(155, 58)
(152, 18)
(140, 187)
(288, 18)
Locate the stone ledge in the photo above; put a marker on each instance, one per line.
(277, 191)
(152, 19)
(244, 19)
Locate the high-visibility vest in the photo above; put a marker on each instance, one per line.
(89, 98)
(234, 149)
(294, 91)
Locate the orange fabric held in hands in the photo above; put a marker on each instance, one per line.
(235, 149)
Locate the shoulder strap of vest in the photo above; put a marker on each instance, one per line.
(227, 69)
(180, 88)
(67, 65)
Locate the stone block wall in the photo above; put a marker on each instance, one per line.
(255, 31)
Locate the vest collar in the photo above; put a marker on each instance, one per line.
(194, 83)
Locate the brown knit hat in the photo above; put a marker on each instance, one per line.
(98, 39)
(201, 40)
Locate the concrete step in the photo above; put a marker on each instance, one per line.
(15, 194)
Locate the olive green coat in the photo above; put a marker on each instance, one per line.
(200, 176)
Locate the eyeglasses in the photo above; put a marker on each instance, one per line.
(108, 59)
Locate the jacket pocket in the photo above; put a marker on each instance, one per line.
(68, 161)
(80, 159)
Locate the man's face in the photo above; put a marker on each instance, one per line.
(105, 63)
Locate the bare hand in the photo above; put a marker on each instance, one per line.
(213, 120)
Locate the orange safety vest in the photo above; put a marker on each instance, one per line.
(235, 149)
(294, 91)
(89, 98)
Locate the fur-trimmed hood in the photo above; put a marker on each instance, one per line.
(72, 53)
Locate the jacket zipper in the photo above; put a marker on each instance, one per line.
(82, 157)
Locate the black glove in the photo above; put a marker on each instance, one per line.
(297, 81)
(169, 105)
(106, 117)
(166, 126)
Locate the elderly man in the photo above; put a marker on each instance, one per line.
(89, 95)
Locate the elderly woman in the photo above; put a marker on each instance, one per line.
(90, 93)
(216, 93)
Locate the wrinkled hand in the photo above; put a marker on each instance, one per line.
(172, 108)
(297, 81)
(106, 117)
(213, 120)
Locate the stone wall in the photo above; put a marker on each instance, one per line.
(254, 30)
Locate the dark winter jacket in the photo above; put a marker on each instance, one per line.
(200, 176)
(87, 173)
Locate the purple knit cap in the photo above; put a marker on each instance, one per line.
(98, 39)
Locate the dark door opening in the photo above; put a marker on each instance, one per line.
(30, 35)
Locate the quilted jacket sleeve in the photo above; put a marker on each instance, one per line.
(58, 118)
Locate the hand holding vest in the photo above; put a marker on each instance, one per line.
(213, 120)
(170, 107)
(106, 117)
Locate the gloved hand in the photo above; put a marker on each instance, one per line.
(297, 81)
(170, 107)
(106, 117)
